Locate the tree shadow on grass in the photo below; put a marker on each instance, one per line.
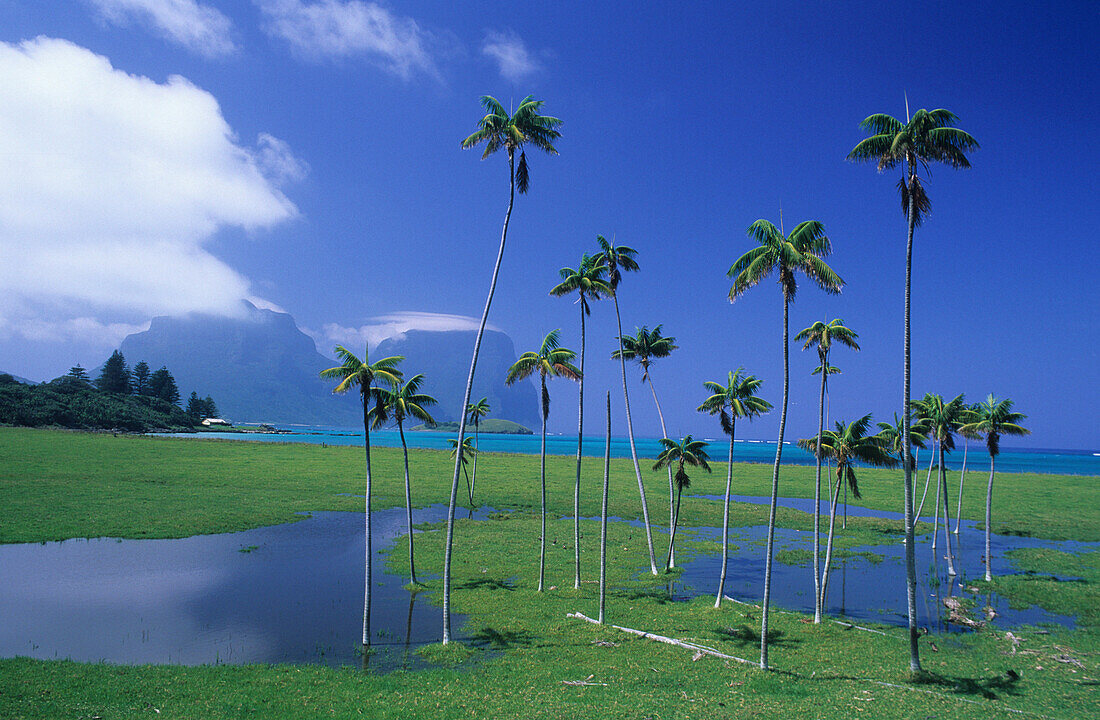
(987, 687)
(487, 583)
(745, 635)
(501, 639)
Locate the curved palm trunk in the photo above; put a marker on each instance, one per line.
(408, 505)
(962, 479)
(726, 519)
(936, 507)
(577, 485)
(775, 495)
(671, 490)
(633, 449)
(368, 579)
(542, 478)
(988, 519)
(818, 594)
(675, 522)
(927, 484)
(824, 593)
(910, 551)
(603, 511)
(477, 450)
(946, 520)
(449, 540)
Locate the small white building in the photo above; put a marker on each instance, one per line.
(209, 422)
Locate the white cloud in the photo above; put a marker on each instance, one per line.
(110, 185)
(346, 28)
(511, 54)
(394, 325)
(278, 162)
(197, 27)
(83, 330)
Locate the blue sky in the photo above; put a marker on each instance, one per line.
(169, 156)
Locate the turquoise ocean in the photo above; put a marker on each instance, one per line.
(1038, 460)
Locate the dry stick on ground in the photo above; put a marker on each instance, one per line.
(671, 641)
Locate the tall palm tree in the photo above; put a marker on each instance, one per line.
(926, 137)
(355, 373)
(823, 335)
(550, 360)
(736, 399)
(943, 419)
(468, 451)
(617, 259)
(686, 452)
(967, 417)
(847, 444)
(644, 347)
(510, 132)
(992, 419)
(801, 251)
(396, 403)
(476, 411)
(920, 416)
(588, 282)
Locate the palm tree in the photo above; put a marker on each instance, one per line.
(603, 511)
(686, 452)
(802, 251)
(396, 403)
(891, 435)
(476, 411)
(925, 138)
(468, 451)
(550, 360)
(736, 399)
(588, 282)
(645, 346)
(846, 445)
(822, 335)
(943, 418)
(993, 418)
(351, 373)
(967, 416)
(617, 259)
(497, 129)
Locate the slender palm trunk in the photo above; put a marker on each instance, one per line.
(671, 489)
(368, 579)
(910, 551)
(818, 597)
(675, 522)
(829, 541)
(577, 485)
(946, 519)
(988, 519)
(775, 492)
(927, 483)
(726, 520)
(477, 450)
(542, 479)
(962, 479)
(603, 511)
(408, 505)
(633, 449)
(449, 541)
(936, 507)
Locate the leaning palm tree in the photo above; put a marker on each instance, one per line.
(476, 411)
(686, 452)
(847, 444)
(497, 130)
(617, 259)
(588, 282)
(993, 418)
(943, 419)
(644, 347)
(736, 399)
(823, 335)
(800, 251)
(394, 404)
(550, 360)
(355, 373)
(925, 138)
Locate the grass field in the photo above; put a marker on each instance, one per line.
(56, 485)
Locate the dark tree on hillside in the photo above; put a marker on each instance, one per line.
(195, 407)
(115, 376)
(140, 378)
(162, 385)
(79, 374)
(209, 408)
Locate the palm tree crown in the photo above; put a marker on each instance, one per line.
(848, 444)
(551, 360)
(499, 129)
(353, 372)
(993, 418)
(941, 417)
(802, 250)
(736, 399)
(824, 334)
(587, 279)
(686, 452)
(644, 346)
(891, 435)
(401, 401)
(616, 259)
(478, 410)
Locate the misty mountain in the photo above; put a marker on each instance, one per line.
(260, 368)
(444, 358)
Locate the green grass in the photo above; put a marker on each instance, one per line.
(518, 649)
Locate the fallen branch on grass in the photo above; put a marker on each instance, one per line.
(670, 641)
